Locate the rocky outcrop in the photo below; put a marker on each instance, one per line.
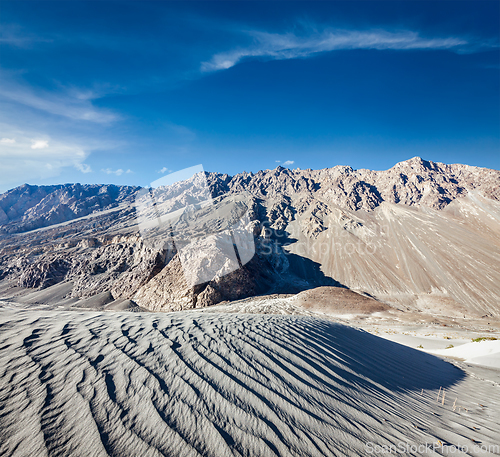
(44, 273)
(121, 267)
(119, 264)
(171, 291)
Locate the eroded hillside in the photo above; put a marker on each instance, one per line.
(421, 235)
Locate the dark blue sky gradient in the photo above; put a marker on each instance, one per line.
(122, 86)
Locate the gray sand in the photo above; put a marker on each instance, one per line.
(188, 384)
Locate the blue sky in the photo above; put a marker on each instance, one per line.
(125, 92)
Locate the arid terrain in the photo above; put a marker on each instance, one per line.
(421, 236)
(287, 312)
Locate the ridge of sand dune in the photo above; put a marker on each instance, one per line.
(188, 384)
(482, 353)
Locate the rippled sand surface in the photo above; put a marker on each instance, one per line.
(188, 384)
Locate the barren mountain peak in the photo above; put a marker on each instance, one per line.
(383, 232)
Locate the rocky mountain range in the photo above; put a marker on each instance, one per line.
(30, 207)
(421, 236)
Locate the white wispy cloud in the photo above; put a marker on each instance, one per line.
(39, 144)
(164, 170)
(72, 104)
(118, 172)
(276, 46)
(34, 156)
(83, 167)
(287, 163)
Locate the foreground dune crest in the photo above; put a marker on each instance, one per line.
(188, 384)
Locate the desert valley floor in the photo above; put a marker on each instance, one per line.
(224, 383)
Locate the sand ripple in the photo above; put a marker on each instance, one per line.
(221, 385)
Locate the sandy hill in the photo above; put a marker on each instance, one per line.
(190, 384)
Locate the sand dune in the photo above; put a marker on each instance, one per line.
(187, 384)
(482, 353)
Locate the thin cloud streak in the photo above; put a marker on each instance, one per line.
(72, 107)
(277, 46)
